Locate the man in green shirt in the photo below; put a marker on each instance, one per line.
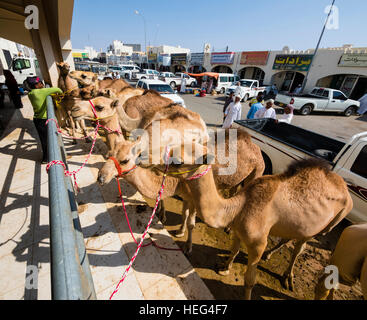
(38, 96)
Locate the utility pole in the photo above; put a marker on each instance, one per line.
(317, 47)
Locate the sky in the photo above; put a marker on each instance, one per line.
(242, 25)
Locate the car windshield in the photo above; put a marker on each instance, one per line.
(245, 83)
(161, 88)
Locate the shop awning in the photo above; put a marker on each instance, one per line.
(199, 75)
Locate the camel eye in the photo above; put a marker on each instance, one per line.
(99, 108)
(124, 161)
(84, 76)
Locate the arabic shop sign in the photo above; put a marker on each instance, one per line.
(353, 60)
(222, 58)
(152, 57)
(197, 59)
(253, 58)
(294, 62)
(178, 58)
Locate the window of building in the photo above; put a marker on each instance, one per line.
(359, 166)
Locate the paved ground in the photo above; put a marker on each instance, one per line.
(24, 226)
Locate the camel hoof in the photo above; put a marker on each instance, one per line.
(224, 272)
(187, 249)
(287, 283)
(179, 234)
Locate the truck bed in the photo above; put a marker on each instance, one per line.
(306, 141)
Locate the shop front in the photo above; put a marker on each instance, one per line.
(178, 62)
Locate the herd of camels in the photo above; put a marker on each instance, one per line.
(306, 200)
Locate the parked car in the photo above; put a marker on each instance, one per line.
(320, 99)
(145, 74)
(164, 89)
(225, 80)
(282, 143)
(175, 80)
(249, 88)
(128, 71)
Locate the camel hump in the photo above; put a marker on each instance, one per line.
(312, 163)
(150, 91)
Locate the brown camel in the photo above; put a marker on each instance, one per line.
(71, 95)
(91, 85)
(249, 165)
(350, 257)
(140, 111)
(306, 200)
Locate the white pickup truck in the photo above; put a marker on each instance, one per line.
(320, 99)
(145, 74)
(175, 80)
(282, 143)
(249, 88)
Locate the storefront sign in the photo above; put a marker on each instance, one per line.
(222, 58)
(353, 60)
(294, 62)
(178, 58)
(152, 57)
(253, 58)
(83, 55)
(197, 59)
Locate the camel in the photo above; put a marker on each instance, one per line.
(350, 257)
(140, 111)
(72, 94)
(123, 95)
(250, 165)
(306, 200)
(91, 85)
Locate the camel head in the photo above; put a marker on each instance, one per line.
(124, 153)
(63, 67)
(88, 92)
(84, 78)
(104, 108)
(107, 92)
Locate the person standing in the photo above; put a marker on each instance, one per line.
(259, 98)
(183, 85)
(232, 113)
(229, 99)
(38, 96)
(298, 89)
(266, 112)
(14, 93)
(363, 105)
(287, 116)
(210, 85)
(254, 108)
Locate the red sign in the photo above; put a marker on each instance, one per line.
(254, 57)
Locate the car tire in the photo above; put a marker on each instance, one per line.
(349, 111)
(142, 78)
(306, 110)
(246, 97)
(127, 76)
(193, 84)
(222, 91)
(173, 84)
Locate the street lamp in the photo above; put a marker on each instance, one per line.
(145, 30)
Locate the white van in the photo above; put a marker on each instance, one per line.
(225, 80)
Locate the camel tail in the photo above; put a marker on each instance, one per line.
(339, 217)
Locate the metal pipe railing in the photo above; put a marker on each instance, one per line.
(70, 271)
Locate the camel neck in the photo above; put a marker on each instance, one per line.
(216, 211)
(149, 184)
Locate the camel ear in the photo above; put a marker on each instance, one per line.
(115, 103)
(95, 77)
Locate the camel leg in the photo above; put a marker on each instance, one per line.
(255, 252)
(73, 128)
(321, 293)
(190, 228)
(162, 212)
(267, 254)
(234, 252)
(185, 215)
(85, 132)
(287, 279)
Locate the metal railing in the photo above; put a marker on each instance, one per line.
(71, 277)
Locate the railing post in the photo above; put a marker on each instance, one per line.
(68, 279)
